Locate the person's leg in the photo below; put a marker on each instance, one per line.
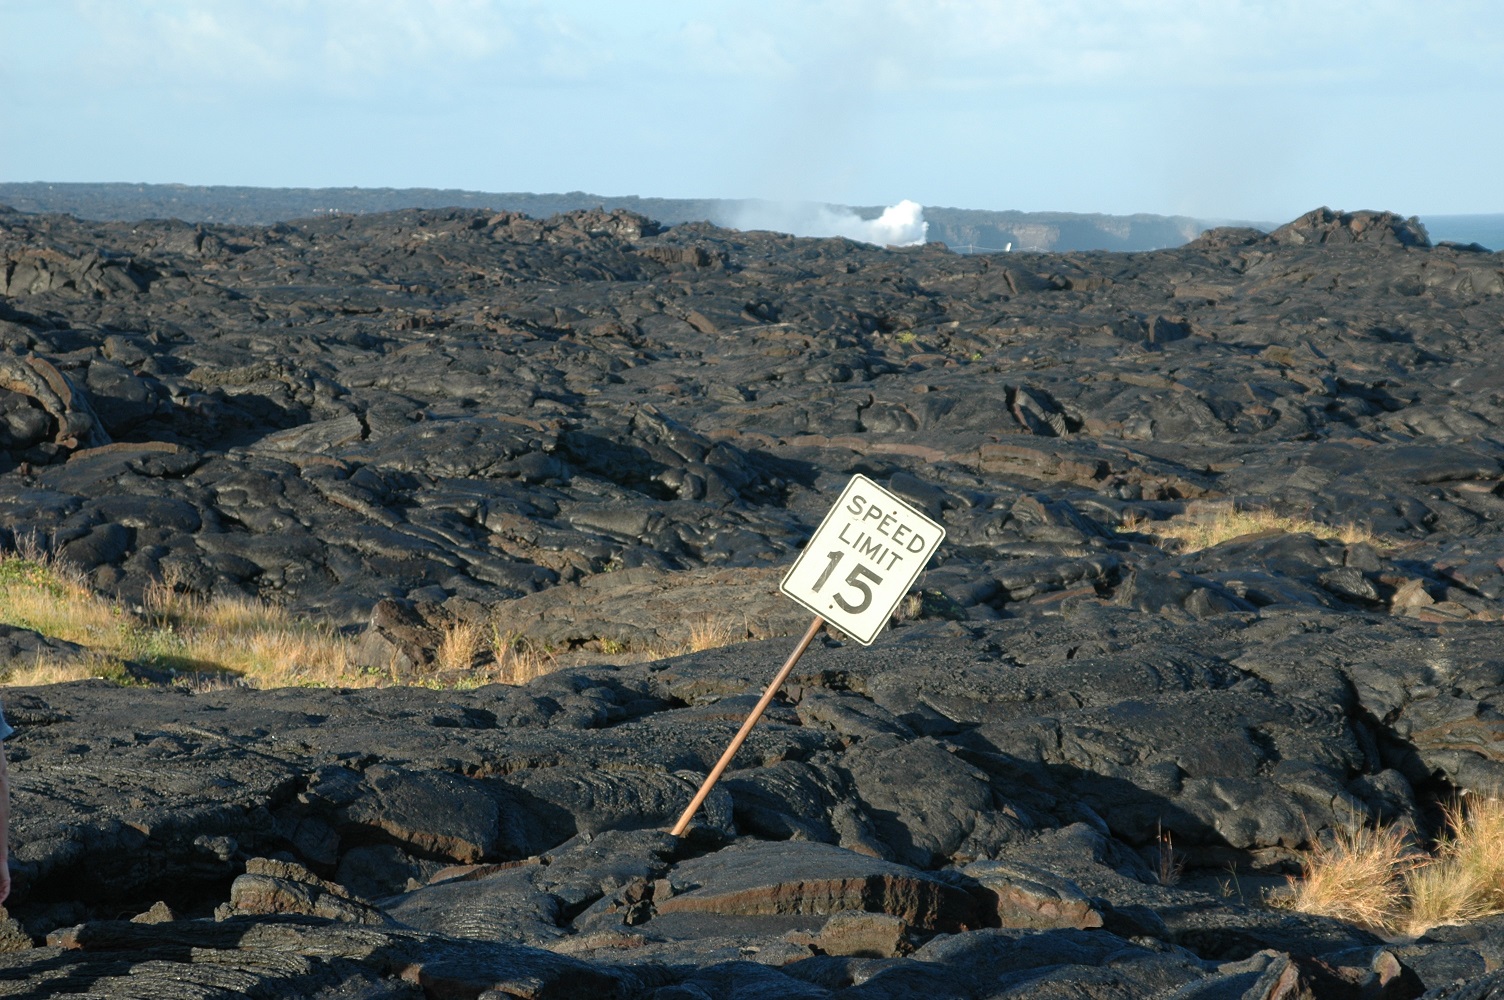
(4, 827)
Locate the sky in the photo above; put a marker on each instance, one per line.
(1217, 109)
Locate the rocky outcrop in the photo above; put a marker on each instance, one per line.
(533, 816)
(1326, 226)
(1075, 762)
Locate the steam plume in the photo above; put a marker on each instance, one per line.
(899, 225)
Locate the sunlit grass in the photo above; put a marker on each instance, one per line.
(1442, 892)
(710, 632)
(1357, 876)
(517, 660)
(46, 670)
(56, 601)
(1479, 844)
(203, 642)
(207, 642)
(1466, 881)
(1197, 530)
(257, 641)
(1377, 878)
(461, 643)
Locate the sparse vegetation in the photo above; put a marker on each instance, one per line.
(241, 636)
(1196, 530)
(214, 642)
(55, 600)
(517, 659)
(1378, 878)
(1466, 879)
(1171, 863)
(710, 632)
(1358, 876)
(48, 671)
(462, 642)
(177, 632)
(207, 643)
(705, 632)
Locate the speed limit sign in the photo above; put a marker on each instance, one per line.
(860, 563)
(862, 560)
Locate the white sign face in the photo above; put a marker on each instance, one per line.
(862, 560)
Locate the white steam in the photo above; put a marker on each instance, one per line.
(900, 225)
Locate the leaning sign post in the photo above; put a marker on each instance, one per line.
(859, 564)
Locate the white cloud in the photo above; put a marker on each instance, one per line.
(336, 47)
(731, 49)
(198, 42)
(382, 37)
(837, 47)
(940, 45)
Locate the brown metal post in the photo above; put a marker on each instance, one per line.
(741, 735)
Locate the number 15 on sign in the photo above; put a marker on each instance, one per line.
(862, 560)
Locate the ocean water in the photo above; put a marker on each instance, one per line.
(1485, 229)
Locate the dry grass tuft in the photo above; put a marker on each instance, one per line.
(1375, 878)
(461, 644)
(1194, 531)
(1466, 881)
(1442, 892)
(1357, 876)
(712, 633)
(1478, 844)
(518, 659)
(224, 641)
(910, 608)
(306, 654)
(245, 637)
(163, 601)
(228, 640)
(49, 671)
(1170, 862)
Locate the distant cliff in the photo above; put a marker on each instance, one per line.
(965, 230)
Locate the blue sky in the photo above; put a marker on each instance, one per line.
(1214, 109)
